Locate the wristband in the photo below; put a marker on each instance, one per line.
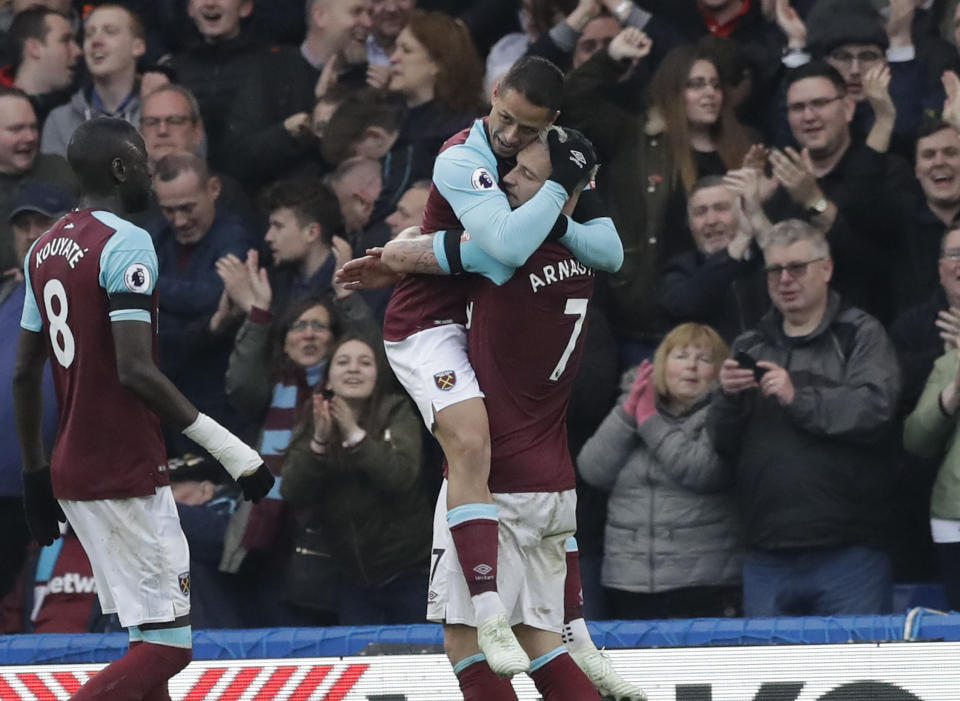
(559, 228)
(237, 457)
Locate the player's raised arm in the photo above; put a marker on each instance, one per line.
(591, 235)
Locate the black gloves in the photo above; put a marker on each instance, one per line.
(40, 507)
(257, 485)
(572, 159)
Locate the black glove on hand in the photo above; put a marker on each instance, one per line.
(571, 160)
(257, 485)
(41, 509)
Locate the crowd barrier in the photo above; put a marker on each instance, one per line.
(911, 657)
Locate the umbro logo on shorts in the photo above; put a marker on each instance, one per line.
(578, 158)
(483, 569)
(184, 580)
(445, 380)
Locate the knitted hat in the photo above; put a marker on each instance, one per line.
(832, 23)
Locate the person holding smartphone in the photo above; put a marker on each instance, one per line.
(810, 438)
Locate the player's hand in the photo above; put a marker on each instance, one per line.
(41, 508)
(571, 157)
(256, 484)
(776, 382)
(366, 273)
(735, 379)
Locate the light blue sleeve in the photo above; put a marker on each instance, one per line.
(596, 244)
(473, 259)
(128, 265)
(30, 318)
(467, 179)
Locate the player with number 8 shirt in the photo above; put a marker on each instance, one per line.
(91, 303)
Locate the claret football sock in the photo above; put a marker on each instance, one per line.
(572, 588)
(475, 528)
(479, 683)
(137, 675)
(558, 678)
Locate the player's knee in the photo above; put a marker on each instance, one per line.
(473, 446)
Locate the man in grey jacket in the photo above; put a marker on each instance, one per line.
(113, 40)
(806, 429)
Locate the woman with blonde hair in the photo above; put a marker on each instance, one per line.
(672, 543)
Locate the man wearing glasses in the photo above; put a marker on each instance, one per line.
(805, 429)
(843, 187)
(853, 37)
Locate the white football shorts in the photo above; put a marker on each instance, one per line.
(531, 563)
(434, 368)
(138, 553)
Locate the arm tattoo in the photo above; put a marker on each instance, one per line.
(416, 256)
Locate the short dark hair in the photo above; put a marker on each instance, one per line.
(818, 69)
(707, 181)
(310, 199)
(29, 24)
(537, 79)
(10, 91)
(94, 144)
(356, 113)
(930, 125)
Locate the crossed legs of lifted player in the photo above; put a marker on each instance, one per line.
(464, 590)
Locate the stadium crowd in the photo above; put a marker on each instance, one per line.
(765, 419)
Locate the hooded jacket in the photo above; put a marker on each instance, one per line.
(63, 120)
(817, 472)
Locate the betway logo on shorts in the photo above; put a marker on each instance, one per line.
(70, 583)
